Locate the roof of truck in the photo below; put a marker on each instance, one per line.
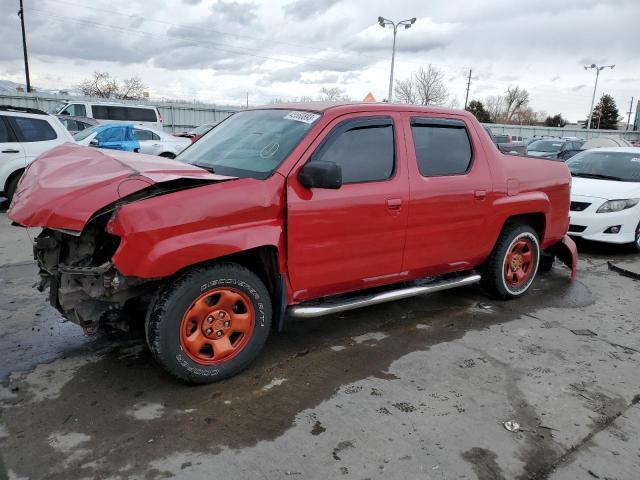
(360, 106)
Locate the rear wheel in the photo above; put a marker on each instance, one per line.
(513, 264)
(209, 323)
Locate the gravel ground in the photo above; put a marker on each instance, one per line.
(418, 388)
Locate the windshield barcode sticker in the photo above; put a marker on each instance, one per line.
(305, 117)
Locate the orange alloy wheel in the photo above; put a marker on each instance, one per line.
(518, 264)
(217, 326)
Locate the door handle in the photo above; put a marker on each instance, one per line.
(480, 194)
(394, 204)
(10, 150)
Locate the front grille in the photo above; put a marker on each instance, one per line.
(579, 206)
(577, 228)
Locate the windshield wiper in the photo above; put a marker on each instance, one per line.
(597, 175)
(207, 168)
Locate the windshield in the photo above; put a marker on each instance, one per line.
(545, 146)
(624, 166)
(59, 106)
(251, 143)
(81, 135)
(202, 129)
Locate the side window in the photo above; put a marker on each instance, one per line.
(76, 109)
(364, 149)
(442, 146)
(141, 114)
(100, 112)
(142, 135)
(5, 136)
(34, 130)
(117, 113)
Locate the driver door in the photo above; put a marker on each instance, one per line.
(352, 237)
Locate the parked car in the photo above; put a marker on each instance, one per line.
(197, 133)
(132, 138)
(505, 145)
(107, 112)
(113, 136)
(154, 141)
(296, 210)
(25, 133)
(556, 148)
(76, 124)
(608, 142)
(605, 195)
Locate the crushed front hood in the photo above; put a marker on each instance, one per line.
(64, 187)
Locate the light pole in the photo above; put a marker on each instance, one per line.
(383, 22)
(598, 70)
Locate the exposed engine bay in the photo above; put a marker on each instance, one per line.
(83, 283)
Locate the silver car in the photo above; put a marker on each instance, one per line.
(154, 141)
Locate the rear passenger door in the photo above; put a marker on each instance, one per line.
(35, 135)
(11, 153)
(450, 196)
(149, 141)
(352, 237)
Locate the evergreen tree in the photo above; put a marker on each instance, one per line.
(477, 108)
(605, 115)
(555, 121)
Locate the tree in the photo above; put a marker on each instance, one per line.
(605, 115)
(555, 121)
(516, 99)
(424, 87)
(495, 106)
(103, 85)
(477, 108)
(335, 94)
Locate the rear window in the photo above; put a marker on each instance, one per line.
(34, 130)
(442, 147)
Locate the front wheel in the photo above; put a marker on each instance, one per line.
(209, 323)
(513, 264)
(636, 244)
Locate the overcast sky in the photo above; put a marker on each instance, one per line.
(217, 50)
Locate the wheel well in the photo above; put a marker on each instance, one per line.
(536, 220)
(11, 177)
(263, 261)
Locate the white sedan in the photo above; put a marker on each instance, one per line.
(605, 195)
(154, 141)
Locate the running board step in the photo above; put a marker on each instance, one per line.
(327, 308)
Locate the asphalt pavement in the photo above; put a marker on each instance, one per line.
(419, 388)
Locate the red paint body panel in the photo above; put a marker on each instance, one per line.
(328, 241)
(64, 187)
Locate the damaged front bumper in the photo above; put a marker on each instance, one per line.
(83, 283)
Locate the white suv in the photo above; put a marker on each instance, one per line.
(25, 133)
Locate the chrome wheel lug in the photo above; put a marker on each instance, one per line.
(226, 324)
(210, 319)
(208, 331)
(219, 333)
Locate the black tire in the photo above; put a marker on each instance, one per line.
(636, 244)
(494, 277)
(546, 262)
(167, 155)
(165, 323)
(12, 185)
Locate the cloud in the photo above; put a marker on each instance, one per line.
(577, 88)
(555, 79)
(235, 12)
(192, 2)
(303, 9)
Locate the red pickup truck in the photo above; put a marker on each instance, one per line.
(295, 210)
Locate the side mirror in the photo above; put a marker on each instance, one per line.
(321, 174)
(94, 143)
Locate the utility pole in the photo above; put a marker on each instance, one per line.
(629, 113)
(247, 99)
(466, 99)
(598, 69)
(24, 47)
(383, 22)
